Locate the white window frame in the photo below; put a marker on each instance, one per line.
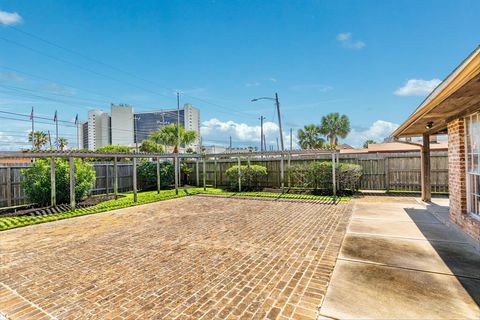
(472, 208)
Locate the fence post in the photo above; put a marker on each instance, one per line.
(197, 172)
(9, 187)
(107, 178)
(135, 196)
(115, 177)
(53, 200)
(175, 159)
(215, 172)
(239, 176)
(334, 183)
(204, 176)
(387, 178)
(72, 182)
(289, 170)
(158, 175)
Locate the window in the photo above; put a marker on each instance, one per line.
(472, 157)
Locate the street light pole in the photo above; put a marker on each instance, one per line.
(277, 103)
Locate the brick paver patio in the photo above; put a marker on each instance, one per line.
(194, 257)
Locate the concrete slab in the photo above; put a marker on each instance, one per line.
(367, 291)
(395, 214)
(436, 256)
(404, 229)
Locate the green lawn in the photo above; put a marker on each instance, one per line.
(143, 198)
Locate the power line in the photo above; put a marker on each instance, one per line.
(108, 65)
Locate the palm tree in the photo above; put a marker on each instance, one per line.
(309, 137)
(334, 126)
(40, 139)
(168, 135)
(62, 143)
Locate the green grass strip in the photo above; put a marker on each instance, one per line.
(144, 198)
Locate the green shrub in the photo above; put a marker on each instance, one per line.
(318, 176)
(37, 181)
(147, 174)
(250, 176)
(349, 175)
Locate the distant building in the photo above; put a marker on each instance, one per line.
(146, 123)
(122, 125)
(96, 133)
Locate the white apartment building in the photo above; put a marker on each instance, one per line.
(122, 125)
(95, 133)
(192, 122)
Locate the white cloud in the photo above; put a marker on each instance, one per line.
(379, 130)
(215, 131)
(347, 41)
(312, 88)
(9, 18)
(417, 87)
(273, 79)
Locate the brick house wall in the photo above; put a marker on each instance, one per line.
(457, 180)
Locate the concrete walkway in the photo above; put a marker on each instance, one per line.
(398, 261)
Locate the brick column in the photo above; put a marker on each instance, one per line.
(457, 179)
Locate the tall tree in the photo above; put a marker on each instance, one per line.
(62, 143)
(309, 137)
(334, 126)
(168, 135)
(40, 139)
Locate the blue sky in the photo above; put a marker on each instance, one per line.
(372, 60)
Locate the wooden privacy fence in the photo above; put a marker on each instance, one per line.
(382, 171)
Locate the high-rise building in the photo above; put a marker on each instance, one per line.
(146, 123)
(122, 125)
(96, 132)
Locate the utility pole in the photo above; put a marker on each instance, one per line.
(177, 165)
(56, 129)
(135, 132)
(49, 139)
(281, 140)
(33, 130)
(230, 144)
(291, 141)
(261, 132)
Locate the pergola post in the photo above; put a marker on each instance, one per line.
(135, 195)
(115, 177)
(197, 172)
(282, 173)
(72, 182)
(425, 169)
(158, 175)
(204, 176)
(215, 172)
(289, 169)
(175, 159)
(107, 178)
(53, 200)
(239, 176)
(334, 178)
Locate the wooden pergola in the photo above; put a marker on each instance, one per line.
(457, 96)
(71, 155)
